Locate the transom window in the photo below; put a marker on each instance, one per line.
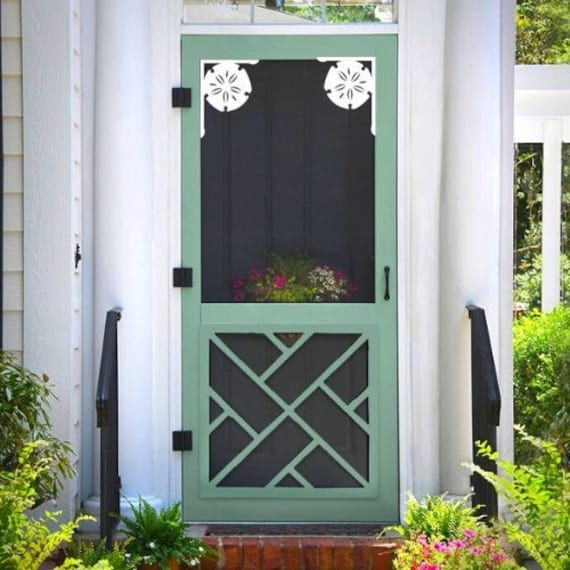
(289, 11)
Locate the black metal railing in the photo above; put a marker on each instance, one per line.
(108, 421)
(485, 409)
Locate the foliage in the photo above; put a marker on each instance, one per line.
(543, 31)
(90, 555)
(538, 497)
(26, 541)
(477, 549)
(293, 279)
(333, 14)
(528, 226)
(437, 518)
(75, 564)
(24, 406)
(158, 537)
(541, 351)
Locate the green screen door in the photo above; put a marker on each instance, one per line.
(289, 334)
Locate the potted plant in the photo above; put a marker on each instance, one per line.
(158, 538)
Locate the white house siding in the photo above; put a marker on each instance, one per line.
(13, 274)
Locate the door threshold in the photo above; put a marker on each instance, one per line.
(369, 530)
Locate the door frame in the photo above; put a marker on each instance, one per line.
(169, 29)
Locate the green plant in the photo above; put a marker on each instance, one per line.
(157, 537)
(437, 518)
(91, 554)
(478, 548)
(24, 407)
(541, 350)
(26, 541)
(75, 564)
(538, 497)
(543, 31)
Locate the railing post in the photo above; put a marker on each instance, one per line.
(107, 406)
(486, 409)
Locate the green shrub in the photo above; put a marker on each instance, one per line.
(160, 536)
(538, 497)
(24, 407)
(26, 541)
(541, 351)
(90, 555)
(437, 518)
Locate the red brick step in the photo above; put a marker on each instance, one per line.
(300, 553)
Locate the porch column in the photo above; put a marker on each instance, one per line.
(123, 225)
(473, 216)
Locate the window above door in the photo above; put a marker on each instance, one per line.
(289, 12)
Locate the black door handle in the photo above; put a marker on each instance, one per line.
(386, 283)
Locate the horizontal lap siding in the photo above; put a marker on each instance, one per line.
(13, 275)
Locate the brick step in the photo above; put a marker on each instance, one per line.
(300, 553)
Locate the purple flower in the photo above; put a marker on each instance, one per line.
(352, 288)
(475, 550)
(237, 283)
(255, 274)
(279, 281)
(339, 275)
(239, 296)
(457, 544)
(467, 533)
(441, 547)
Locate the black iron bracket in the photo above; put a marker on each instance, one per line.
(181, 441)
(181, 97)
(182, 277)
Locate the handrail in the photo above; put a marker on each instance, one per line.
(107, 406)
(486, 409)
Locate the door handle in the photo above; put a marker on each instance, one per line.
(386, 283)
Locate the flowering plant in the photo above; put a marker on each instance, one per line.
(478, 549)
(293, 279)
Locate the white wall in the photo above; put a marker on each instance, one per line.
(52, 205)
(13, 275)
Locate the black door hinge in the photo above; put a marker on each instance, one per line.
(182, 277)
(181, 441)
(77, 256)
(181, 97)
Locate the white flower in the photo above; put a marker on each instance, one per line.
(201, 549)
(127, 555)
(151, 545)
(194, 562)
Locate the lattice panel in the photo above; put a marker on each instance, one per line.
(289, 410)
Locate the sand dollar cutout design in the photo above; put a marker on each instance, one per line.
(226, 86)
(348, 84)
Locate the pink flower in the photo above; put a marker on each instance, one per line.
(237, 283)
(239, 296)
(422, 540)
(255, 274)
(457, 544)
(339, 275)
(352, 287)
(428, 566)
(279, 281)
(467, 533)
(498, 557)
(441, 547)
(475, 550)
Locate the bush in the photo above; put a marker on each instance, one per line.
(89, 555)
(478, 549)
(538, 497)
(157, 537)
(436, 518)
(24, 406)
(542, 380)
(26, 542)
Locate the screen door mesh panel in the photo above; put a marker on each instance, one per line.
(288, 414)
(285, 169)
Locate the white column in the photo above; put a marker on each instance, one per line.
(551, 213)
(420, 119)
(470, 213)
(123, 223)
